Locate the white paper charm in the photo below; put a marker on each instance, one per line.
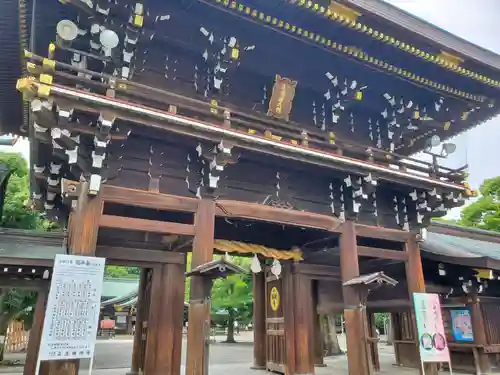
(276, 268)
(256, 267)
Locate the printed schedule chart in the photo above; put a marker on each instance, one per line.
(71, 319)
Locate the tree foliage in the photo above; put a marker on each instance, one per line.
(18, 213)
(484, 213)
(232, 299)
(122, 272)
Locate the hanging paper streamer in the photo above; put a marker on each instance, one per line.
(256, 267)
(276, 268)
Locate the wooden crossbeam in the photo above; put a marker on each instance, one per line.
(383, 233)
(146, 199)
(119, 255)
(254, 211)
(143, 225)
(374, 252)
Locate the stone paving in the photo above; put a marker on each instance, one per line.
(112, 357)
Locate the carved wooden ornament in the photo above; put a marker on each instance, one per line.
(282, 96)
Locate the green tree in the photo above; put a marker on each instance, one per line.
(17, 213)
(232, 299)
(484, 213)
(122, 272)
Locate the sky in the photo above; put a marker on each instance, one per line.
(477, 22)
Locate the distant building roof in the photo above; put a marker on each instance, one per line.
(26, 245)
(465, 246)
(112, 288)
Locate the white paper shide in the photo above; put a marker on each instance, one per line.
(72, 315)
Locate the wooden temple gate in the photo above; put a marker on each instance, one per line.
(205, 141)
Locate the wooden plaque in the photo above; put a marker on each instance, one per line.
(282, 96)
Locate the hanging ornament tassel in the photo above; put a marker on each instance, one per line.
(256, 267)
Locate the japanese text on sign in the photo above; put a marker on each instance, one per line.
(72, 315)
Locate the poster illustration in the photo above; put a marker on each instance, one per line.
(462, 325)
(431, 336)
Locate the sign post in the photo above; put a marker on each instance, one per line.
(432, 344)
(73, 305)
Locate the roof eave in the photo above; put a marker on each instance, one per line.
(434, 34)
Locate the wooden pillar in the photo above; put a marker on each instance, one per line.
(36, 333)
(83, 226)
(153, 320)
(259, 321)
(139, 318)
(169, 327)
(199, 308)
(478, 328)
(416, 284)
(304, 325)
(288, 294)
(373, 344)
(355, 316)
(318, 340)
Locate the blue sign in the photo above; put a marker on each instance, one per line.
(462, 325)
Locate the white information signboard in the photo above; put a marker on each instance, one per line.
(72, 315)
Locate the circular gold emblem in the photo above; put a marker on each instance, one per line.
(274, 299)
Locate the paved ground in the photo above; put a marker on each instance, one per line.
(112, 357)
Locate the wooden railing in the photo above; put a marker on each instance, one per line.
(16, 338)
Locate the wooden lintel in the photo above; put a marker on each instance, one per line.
(147, 199)
(255, 211)
(382, 233)
(316, 271)
(375, 252)
(382, 305)
(143, 225)
(26, 262)
(139, 255)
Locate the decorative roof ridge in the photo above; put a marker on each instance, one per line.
(425, 29)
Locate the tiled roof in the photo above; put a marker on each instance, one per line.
(465, 250)
(119, 288)
(30, 244)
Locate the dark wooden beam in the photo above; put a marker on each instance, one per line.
(199, 307)
(169, 329)
(382, 233)
(35, 335)
(304, 324)
(153, 320)
(26, 262)
(375, 252)
(254, 211)
(355, 318)
(416, 284)
(147, 199)
(139, 323)
(317, 271)
(138, 255)
(83, 227)
(144, 225)
(259, 321)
